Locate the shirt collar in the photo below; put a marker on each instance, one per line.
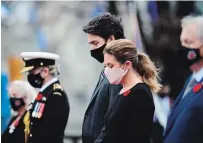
(198, 75)
(48, 83)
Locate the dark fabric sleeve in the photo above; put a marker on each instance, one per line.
(113, 91)
(102, 137)
(193, 127)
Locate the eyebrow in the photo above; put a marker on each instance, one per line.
(109, 64)
(92, 42)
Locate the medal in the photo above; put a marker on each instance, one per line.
(35, 109)
(37, 112)
(44, 99)
(15, 123)
(41, 110)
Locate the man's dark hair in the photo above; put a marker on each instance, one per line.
(105, 25)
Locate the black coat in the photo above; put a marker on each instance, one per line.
(17, 136)
(129, 118)
(94, 115)
(51, 126)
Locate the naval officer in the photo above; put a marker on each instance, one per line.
(47, 118)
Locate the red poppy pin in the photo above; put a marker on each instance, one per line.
(191, 55)
(197, 87)
(39, 97)
(126, 93)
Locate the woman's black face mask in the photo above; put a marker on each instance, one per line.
(16, 103)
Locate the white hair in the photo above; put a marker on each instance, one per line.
(198, 20)
(54, 70)
(23, 89)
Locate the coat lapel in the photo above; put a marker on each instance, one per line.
(99, 85)
(180, 107)
(97, 89)
(177, 106)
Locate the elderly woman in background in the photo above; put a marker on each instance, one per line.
(21, 95)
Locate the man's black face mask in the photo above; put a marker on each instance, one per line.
(98, 53)
(188, 56)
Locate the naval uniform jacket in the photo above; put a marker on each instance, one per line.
(50, 127)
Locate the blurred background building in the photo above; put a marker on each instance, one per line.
(57, 27)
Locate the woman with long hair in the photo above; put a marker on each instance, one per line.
(130, 114)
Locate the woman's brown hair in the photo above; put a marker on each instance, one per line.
(125, 50)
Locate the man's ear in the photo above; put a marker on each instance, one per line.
(45, 72)
(111, 38)
(201, 51)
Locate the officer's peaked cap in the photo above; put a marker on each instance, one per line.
(37, 59)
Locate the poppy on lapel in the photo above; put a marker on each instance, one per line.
(197, 87)
(39, 97)
(126, 93)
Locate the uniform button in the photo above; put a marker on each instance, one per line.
(86, 116)
(30, 135)
(31, 123)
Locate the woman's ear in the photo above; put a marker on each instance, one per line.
(128, 65)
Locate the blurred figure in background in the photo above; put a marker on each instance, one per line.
(166, 41)
(21, 95)
(112, 7)
(5, 104)
(100, 30)
(185, 122)
(50, 111)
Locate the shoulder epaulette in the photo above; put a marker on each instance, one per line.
(57, 86)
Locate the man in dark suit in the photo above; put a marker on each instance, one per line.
(185, 122)
(47, 118)
(100, 30)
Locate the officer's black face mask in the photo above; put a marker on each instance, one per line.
(98, 53)
(16, 103)
(188, 56)
(35, 80)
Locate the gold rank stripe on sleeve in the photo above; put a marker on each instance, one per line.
(57, 93)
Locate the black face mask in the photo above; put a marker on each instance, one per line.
(35, 80)
(98, 53)
(16, 103)
(188, 56)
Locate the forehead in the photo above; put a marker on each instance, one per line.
(92, 38)
(35, 70)
(14, 91)
(109, 59)
(189, 30)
